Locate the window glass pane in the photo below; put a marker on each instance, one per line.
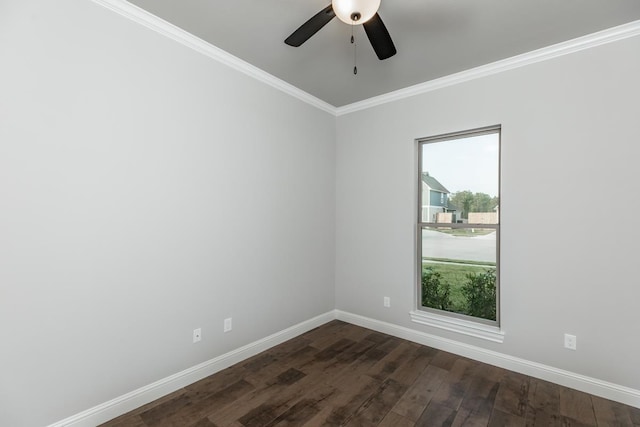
(459, 270)
(467, 245)
(460, 180)
(460, 216)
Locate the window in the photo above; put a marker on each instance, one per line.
(458, 241)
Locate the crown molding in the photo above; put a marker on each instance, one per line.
(610, 35)
(142, 17)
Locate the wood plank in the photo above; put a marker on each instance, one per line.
(504, 419)
(455, 384)
(444, 360)
(417, 397)
(610, 413)
(323, 330)
(512, 397)
(352, 398)
(375, 354)
(411, 369)
(436, 414)
(218, 381)
(348, 378)
(352, 383)
(261, 415)
(544, 396)
(577, 405)
(360, 366)
(320, 419)
(123, 419)
(354, 352)
(544, 404)
(376, 407)
(378, 337)
(357, 333)
(326, 335)
(298, 414)
(333, 350)
(490, 372)
(545, 419)
(126, 420)
(478, 402)
(193, 406)
(395, 420)
(570, 422)
(305, 406)
(279, 395)
(203, 423)
(476, 417)
(392, 361)
(296, 359)
(268, 402)
(309, 406)
(634, 413)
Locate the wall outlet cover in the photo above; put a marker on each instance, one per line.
(570, 341)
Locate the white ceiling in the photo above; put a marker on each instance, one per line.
(434, 38)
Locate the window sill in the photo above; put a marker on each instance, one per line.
(465, 327)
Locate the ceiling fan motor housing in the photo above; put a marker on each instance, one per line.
(355, 11)
(352, 12)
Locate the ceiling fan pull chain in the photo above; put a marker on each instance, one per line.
(353, 42)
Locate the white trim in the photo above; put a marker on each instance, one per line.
(461, 326)
(169, 30)
(607, 390)
(130, 401)
(565, 48)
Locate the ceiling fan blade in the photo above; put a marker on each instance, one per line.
(311, 27)
(379, 37)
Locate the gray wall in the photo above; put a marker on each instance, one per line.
(570, 132)
(145, 190)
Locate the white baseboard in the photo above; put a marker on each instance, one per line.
(130, 401)
(590, 385)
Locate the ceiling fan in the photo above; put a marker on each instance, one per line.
(352, 12)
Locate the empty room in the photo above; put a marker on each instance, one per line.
(308, 213)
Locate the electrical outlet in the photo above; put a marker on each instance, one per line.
(197, 335)
(227, 324)
(570, 341)
(387, 302)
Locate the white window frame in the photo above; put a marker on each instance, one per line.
(454, 322)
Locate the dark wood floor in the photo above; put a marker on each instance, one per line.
(341, 374)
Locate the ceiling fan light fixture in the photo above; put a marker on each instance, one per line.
(355, 11)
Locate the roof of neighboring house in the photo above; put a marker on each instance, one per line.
(452, 207)
(433, 183)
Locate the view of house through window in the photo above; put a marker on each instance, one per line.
(459, 217)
